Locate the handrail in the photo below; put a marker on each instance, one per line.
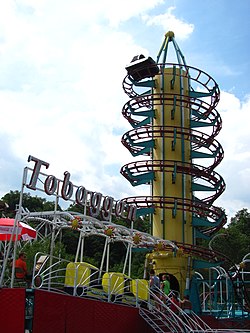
(82, 280)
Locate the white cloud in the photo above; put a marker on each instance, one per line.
(235, 133)
(170, 22)
(235, 138)
(61, 86)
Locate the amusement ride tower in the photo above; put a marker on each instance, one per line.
(172, 112)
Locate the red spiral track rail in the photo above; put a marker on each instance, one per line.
(205, 124)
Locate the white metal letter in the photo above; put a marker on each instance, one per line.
(107, 207)
(95, 203)
(36, 171)
(81, 195)
(67, 187)
(50, 185)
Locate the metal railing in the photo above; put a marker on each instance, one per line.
(84, 280)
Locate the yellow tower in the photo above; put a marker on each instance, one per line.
(171, 84)
(172, 148)
(166, 123)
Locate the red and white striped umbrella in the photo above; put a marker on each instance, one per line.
(25, 232)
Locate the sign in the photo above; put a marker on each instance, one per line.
(99, 205)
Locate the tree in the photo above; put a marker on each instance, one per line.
(44, 246)
(235, 245)
(33, 204)
(239, 234)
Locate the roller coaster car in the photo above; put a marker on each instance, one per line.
(141, 67)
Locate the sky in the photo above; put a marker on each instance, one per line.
(62, 64)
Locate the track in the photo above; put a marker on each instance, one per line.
(205, 125)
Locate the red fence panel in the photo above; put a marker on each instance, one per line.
(68, 314)
(12, 313)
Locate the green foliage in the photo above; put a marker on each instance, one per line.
(33, 204)
(141, 224)
(137, 267)
(94, 249)
(70, 240)
(239, 235)
(234, 240)
(44, 246)
(77, 208)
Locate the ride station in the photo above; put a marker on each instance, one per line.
(172, 112)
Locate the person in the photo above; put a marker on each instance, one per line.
(175, 303)
(154, 283)
(154, 280)
(165, 286)
(21, 271)
(186, 305)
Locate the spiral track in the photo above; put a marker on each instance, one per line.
(205, 125)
